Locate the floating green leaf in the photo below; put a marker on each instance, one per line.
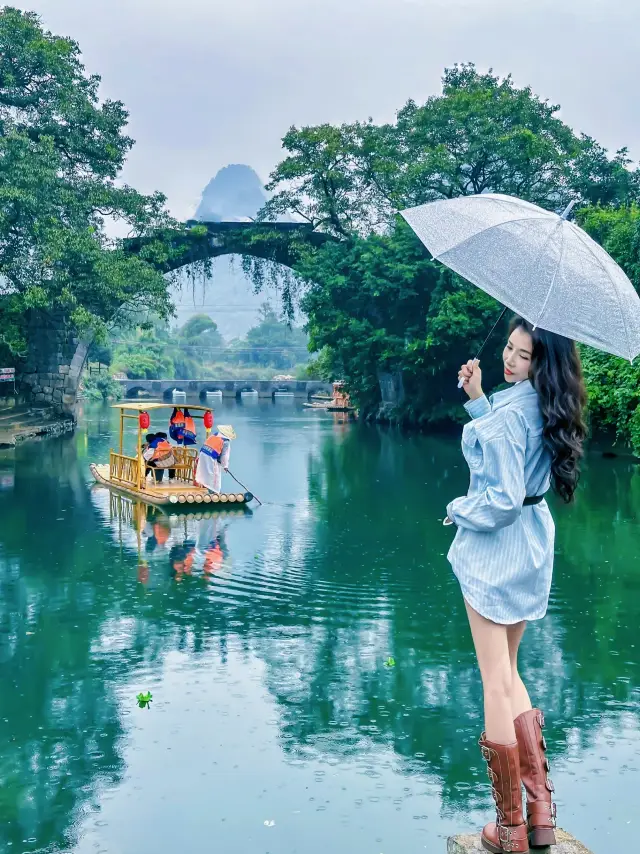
(144, 699)
(390, 662)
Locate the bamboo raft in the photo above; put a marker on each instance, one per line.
(126, 474)
(174, 492)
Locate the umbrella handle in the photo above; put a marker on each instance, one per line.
(484, 343)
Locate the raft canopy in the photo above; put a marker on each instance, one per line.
(146, 406)
(130, 470)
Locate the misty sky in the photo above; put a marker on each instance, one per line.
(212, 82)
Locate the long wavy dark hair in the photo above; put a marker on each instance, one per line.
(556, 375)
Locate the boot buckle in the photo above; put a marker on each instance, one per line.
(552, 810)
(504, 836)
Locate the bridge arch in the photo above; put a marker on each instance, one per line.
(134, 390)
(245, 388)
(57, 356)
(210, 389)
(280, 389)
(279, 242)
(179, 386)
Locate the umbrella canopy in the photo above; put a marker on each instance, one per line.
(536, 263)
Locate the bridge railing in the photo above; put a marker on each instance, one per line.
(123, 470)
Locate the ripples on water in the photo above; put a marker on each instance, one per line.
(276, 723)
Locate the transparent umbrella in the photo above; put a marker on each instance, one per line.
(536, 263)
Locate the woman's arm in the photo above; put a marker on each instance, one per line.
(478, 407)
(226, 452)
(500, 502)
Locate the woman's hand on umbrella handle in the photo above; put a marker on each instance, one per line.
(470, 379)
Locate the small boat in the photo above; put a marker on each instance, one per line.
(126, 474)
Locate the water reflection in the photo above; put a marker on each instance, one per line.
(291, 612)
(168, 545)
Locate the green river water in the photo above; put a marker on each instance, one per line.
(277, 725)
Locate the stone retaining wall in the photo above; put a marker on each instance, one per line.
(56, 358)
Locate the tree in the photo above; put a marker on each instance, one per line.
(373, 297)
(201, 330)
(613, 383)
(61, 150)
(274, 343)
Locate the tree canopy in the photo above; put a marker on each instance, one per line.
(61, 151)
(374, 298)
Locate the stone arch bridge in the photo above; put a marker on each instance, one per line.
(56, 356)
(228, 388)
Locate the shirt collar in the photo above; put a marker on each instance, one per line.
(509, 395)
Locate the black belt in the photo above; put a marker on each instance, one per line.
(532, 499)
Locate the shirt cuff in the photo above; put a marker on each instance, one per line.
(478, 407)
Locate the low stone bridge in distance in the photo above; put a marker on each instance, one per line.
(163, 389)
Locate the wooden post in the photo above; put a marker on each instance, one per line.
(470, 844)
(121, 431)
(140, 466)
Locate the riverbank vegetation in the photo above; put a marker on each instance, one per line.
(196, 350)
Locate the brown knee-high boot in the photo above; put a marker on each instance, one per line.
(509, 832)
(534, 769)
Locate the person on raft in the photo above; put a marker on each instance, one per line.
(519, 442)
(158, 454)
(214, 457)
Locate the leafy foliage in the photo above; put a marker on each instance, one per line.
(197, 350)
(102, 387)
(375, 300)
(61, 150)
(614, 384)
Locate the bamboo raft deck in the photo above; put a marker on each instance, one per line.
(170, 493)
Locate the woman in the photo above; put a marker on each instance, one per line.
(523, 440)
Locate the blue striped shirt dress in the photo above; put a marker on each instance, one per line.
(503, 551)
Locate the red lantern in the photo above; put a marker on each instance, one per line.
(144, 420)
(208, 419)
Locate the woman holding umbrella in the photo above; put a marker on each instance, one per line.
(520, 442)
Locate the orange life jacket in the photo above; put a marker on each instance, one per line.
(213, 446)
(189, 428)
(161, 533)
(214, 558)
(162, 450)
(176, 426)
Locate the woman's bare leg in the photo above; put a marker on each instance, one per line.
(520, 701)
(492, 650)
